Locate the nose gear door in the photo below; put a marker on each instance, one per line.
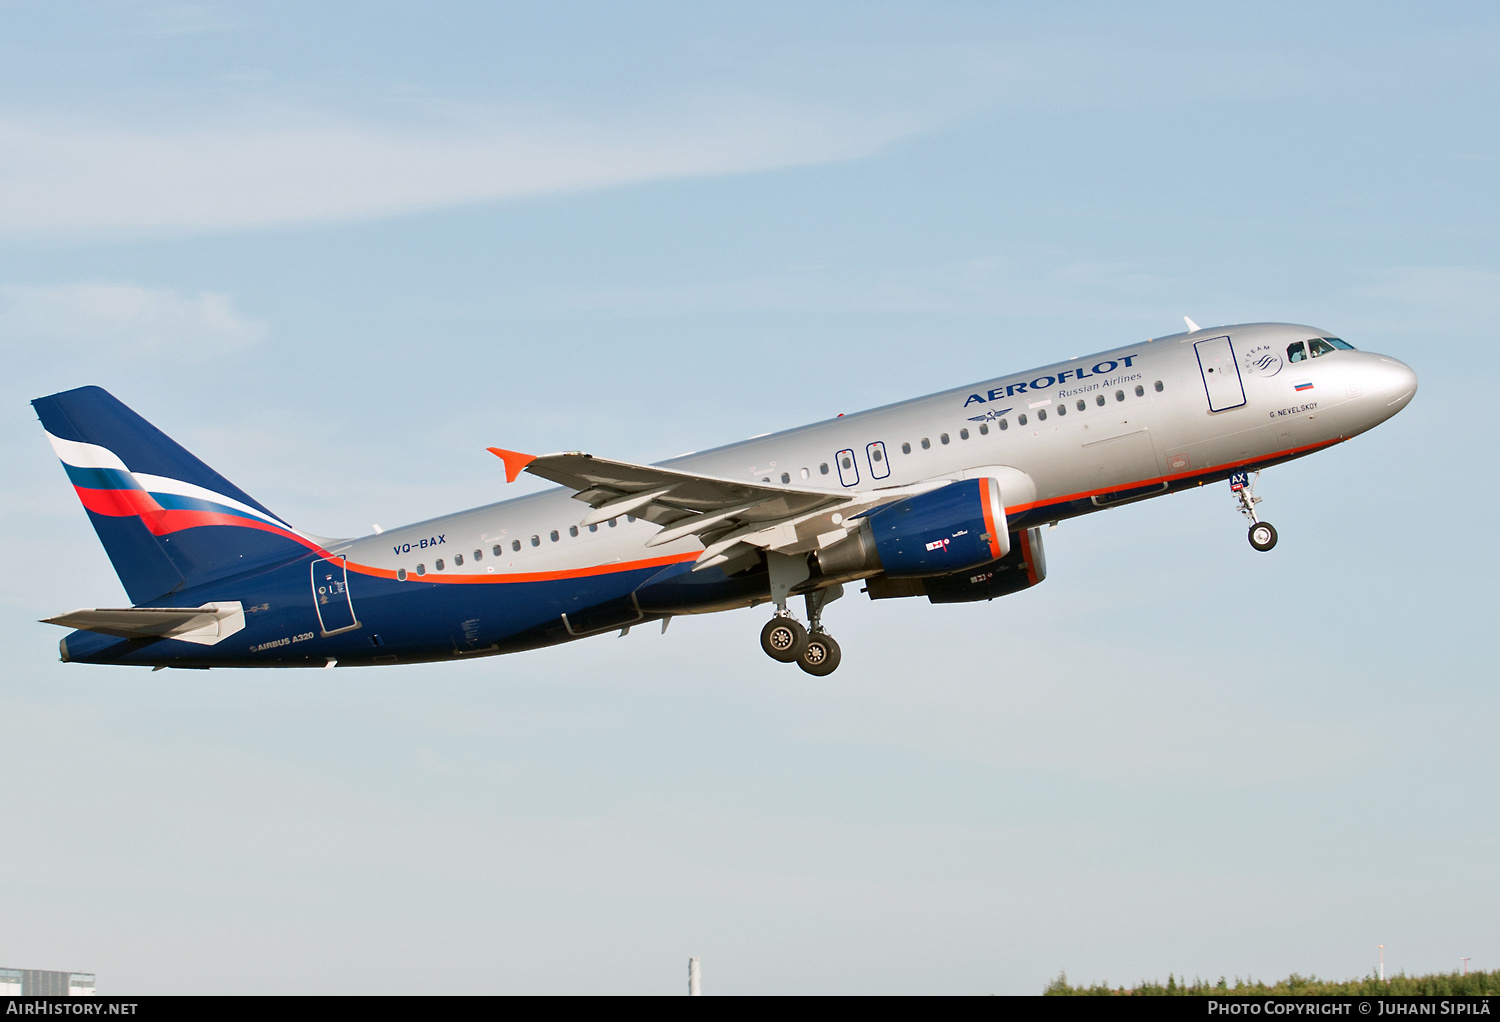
(330, 589)
(1221, 374)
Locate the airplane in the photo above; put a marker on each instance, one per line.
(943, 496)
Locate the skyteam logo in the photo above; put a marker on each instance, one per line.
(1262, 360)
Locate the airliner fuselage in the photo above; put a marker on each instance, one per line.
(799, 512)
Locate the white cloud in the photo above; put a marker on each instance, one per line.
(126, 319)
(282, 168)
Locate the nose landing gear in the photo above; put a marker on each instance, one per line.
(1262, 534)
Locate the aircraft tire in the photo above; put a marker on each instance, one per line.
(1262, 536)
(821, 657)
(783, 639)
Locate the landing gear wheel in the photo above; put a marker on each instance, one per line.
(1262, 536)
(821, 657)
(783, 639)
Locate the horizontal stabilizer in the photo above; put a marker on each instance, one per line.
(203, 625)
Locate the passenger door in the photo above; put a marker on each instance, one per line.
(1221, 374)
(330, 588)
(879, 466)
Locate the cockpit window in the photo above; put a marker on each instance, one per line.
(1296, 351)
(1341, 345)
(1320, 347)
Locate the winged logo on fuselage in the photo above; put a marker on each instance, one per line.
(989, 416)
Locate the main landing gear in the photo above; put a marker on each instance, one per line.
(1262, 534)
(783, 638)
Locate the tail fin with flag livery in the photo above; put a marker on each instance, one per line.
(167, 520)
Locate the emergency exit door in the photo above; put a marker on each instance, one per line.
(1221, 374)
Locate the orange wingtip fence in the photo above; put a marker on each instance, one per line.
(515, 461)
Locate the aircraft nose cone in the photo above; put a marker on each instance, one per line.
(1400, 380)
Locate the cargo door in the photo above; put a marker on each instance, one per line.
(1221, 374)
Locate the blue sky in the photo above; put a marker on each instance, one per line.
(338, 250)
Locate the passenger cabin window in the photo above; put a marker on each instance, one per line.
(536, 541)
(786, 477)
(613, 522)
(630, 518)
(926, 444)
(1082, 404)
(421, 569)
(554, 535)
(823, 468)
(1099, 400)
(1041, 415)
(438, 564)
(1158, 386)
(804, 473)
(906, 448)
(963, 434)
(1004, 425)
(497, 549)
(572, 530)
(515, 544)
(401, 574)
(984, 429)
(943, 438)
(478, 555)
(1119, 395)
(1062, 409)
(458, 560)
(594, 528)
(1296, 351)
(1021, 419)
(1140, 391)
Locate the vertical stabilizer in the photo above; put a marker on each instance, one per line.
(167, 520)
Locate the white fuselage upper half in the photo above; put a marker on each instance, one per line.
(1062, 440)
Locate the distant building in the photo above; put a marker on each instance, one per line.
(42, 983)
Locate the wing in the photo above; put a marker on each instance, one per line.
(723, 514)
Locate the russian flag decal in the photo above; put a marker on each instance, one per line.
(1303, 386)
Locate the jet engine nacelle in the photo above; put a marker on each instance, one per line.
(1023, 567)
(953, 528)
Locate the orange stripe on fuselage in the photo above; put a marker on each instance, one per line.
(525, 576)
(1227, 466)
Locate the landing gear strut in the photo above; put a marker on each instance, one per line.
(821, 656)
(783, 638)
(1262, 534)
